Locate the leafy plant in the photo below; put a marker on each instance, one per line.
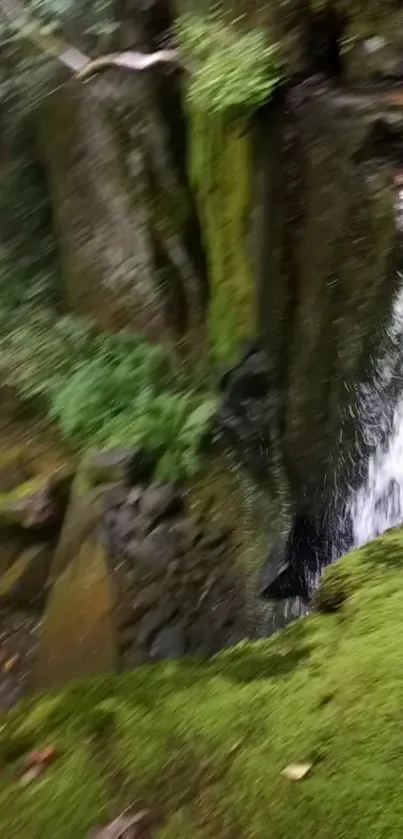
(109, 390)
(232, 70)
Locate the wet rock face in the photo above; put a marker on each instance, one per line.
(326, 290)
(247, 410)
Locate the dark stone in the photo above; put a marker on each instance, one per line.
(131, 550)
(146, 599)
(125, 526)
(114, 498)
(247, 410)
(295, 563)
(170, 642)
(141, 467)
(214, 536)
(186, 534)
(161, 501)
(134, 496)
(157, 549)
(152, 622)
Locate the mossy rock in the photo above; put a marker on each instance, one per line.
(24, 584)
(78, 636)
(38, 502)
(204, 744)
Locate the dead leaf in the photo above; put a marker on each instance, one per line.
(296, 771)
(31, 774)
(129, 825)
(41, 757)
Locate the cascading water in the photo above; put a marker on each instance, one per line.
(378, 503)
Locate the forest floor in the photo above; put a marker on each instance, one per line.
(299, 733)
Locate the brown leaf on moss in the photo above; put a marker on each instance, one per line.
(41, 757)
(129, 825)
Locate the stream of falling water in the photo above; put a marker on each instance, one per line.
(378, 504)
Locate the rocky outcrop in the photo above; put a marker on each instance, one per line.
(134, 576)
(330, 277)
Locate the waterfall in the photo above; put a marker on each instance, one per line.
(378, 503)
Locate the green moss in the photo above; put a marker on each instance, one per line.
(220, 171)
(204, 744)
(235, 71)
(341, 580)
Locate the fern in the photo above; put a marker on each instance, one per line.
(108, 390)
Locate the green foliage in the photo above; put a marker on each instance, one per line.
(106, 390)
(234, 70)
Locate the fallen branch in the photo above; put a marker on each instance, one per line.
(71, 57)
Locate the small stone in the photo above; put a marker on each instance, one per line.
(131, 550)
(161, 501)
(114, 497)
(125, 525)
(145, 600)
(134, 496)
(170, 642)
(214, 537)
(186, 534)
(152, 622)
(158, 549)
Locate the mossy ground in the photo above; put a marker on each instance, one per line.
(203, 744)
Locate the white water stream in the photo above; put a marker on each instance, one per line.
(378, 504)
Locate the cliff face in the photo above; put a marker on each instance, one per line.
(328, 279)
(114, 149)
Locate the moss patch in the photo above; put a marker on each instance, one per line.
(220, 172)
(204, 743)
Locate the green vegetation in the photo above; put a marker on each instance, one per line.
(204, 745)
(233, 71)
(107, 389)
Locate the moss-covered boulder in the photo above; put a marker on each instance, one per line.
(78, 636)
(38, 503)
(203, 745)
